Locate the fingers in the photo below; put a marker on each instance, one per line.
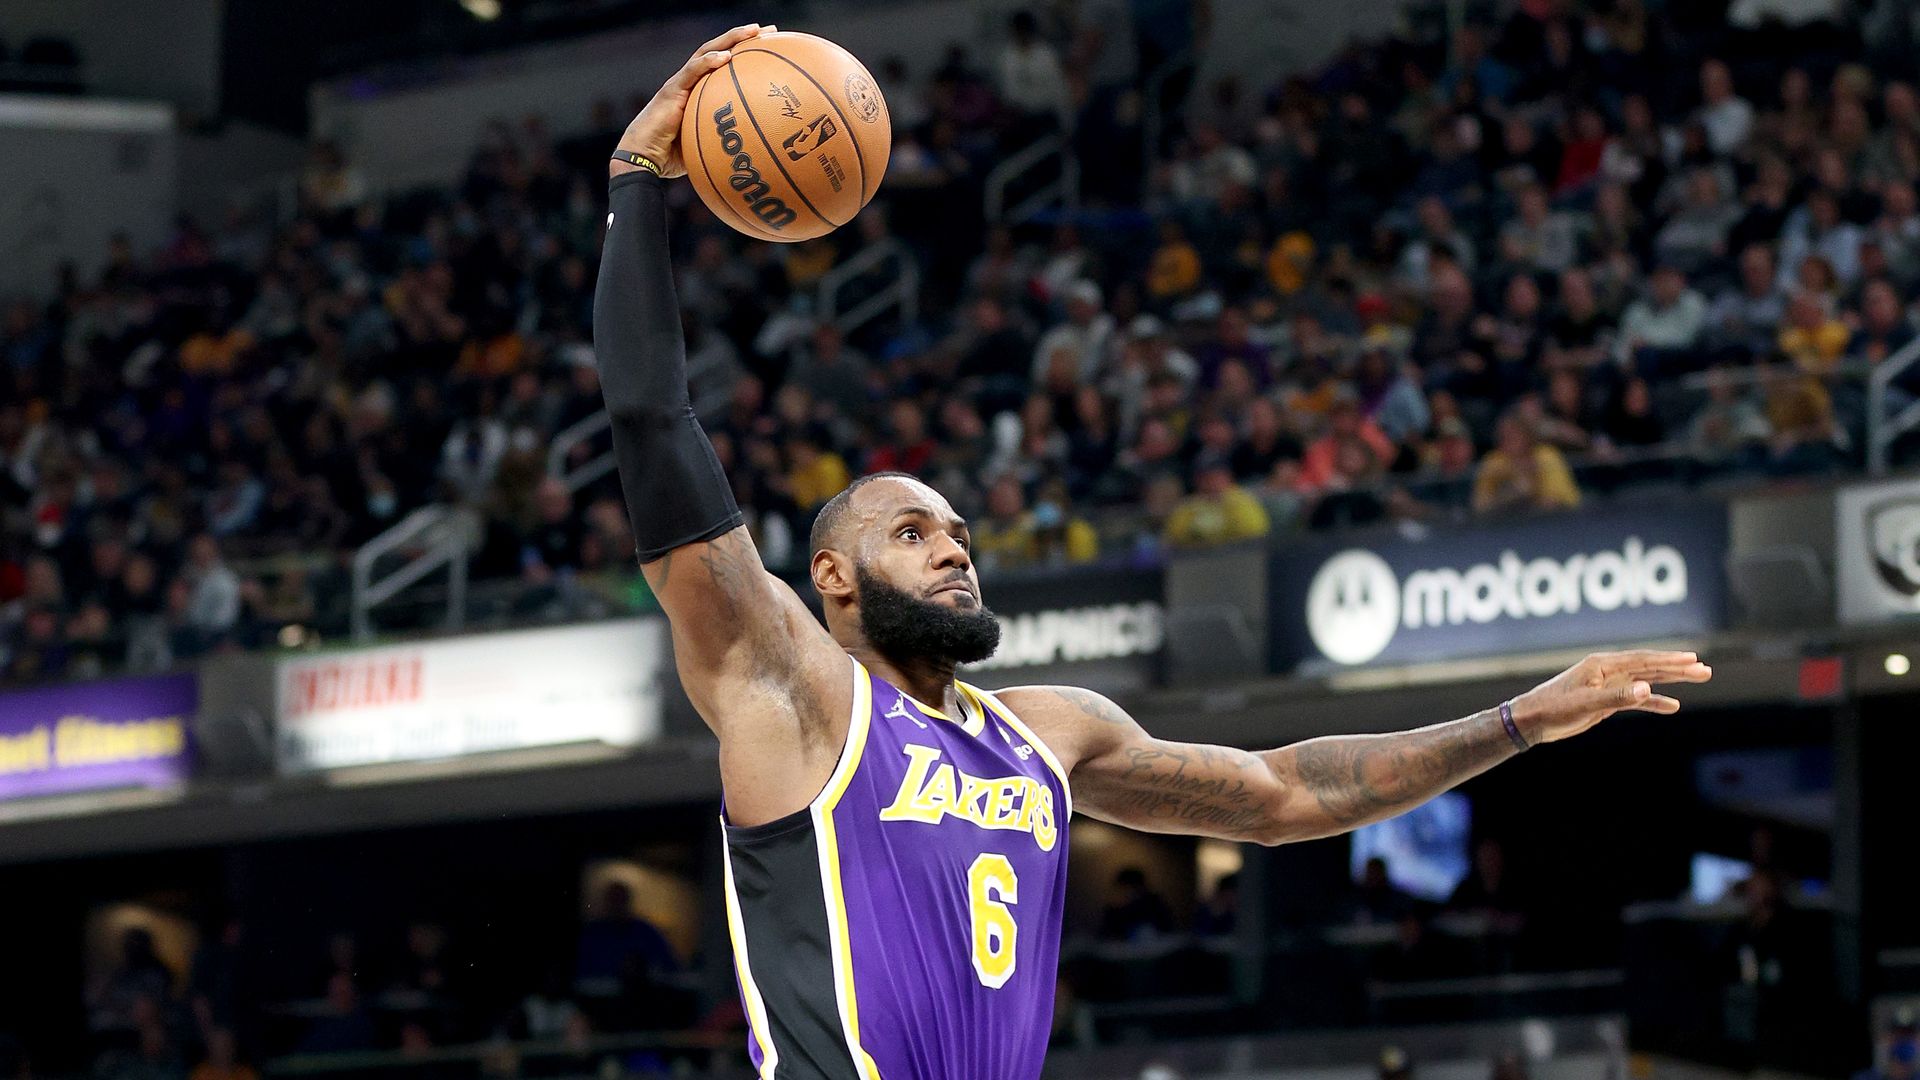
(1695, 672)
(691, 72)
(1657, 666)
(1632, 695)
(729, 39)
(1659, 703)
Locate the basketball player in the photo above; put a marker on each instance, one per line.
(896, 839)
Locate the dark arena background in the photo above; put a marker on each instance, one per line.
(1304, 368)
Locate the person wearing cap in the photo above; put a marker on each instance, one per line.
(1219, 511)
(1088, 333)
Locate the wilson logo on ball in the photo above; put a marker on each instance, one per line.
(810, 138)
(746, 179)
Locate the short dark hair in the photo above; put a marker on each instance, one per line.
(833, 513)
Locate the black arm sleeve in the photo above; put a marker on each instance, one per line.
(676, 491)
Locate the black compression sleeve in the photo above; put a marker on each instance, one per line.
(676, 491)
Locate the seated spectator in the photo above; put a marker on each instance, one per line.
(815, 473)
(1547, 241)
(1134, 912)
(1729, 425)
(1884, 327)
(1726, 116)
(1319, 467)
(909, 448)
(1217, 915)
(1799, 413)
(1489, 890)
(1218, 512)
(1817, 229)
(1745, 318)
(1810, 337)
(1631, 422)
(1521, 473)
(344, 1026)
(1264, 443)
(618, 948)
(1660, 332)
(1578, 333)
(1695, 237)
(1086, 335)
(1012, 535)
(1375, 897)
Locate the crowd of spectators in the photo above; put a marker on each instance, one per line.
(1578, 246)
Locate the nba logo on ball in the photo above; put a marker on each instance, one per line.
(863, 97)
(1353, 607)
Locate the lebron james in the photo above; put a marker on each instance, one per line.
(896, 839)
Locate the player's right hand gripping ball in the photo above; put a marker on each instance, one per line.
(789, 140)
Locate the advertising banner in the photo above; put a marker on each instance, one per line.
(471, 695)
(1606, 578)
(94, 736)
(1876, 553)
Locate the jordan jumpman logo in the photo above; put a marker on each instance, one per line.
(899, 712)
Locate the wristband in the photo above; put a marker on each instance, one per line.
(1513, 731)
(640, 160)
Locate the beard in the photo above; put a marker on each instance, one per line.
(904, 626)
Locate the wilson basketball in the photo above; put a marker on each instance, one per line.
(789, 140)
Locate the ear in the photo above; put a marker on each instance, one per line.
(832, 574)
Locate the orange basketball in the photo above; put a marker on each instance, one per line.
(789, 140)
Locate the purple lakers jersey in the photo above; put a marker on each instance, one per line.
(906, 924)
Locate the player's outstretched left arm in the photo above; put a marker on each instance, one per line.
(1325, 786)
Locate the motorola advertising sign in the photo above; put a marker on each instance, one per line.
(1604, 579)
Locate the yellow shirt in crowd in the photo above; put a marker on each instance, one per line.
(1201, 521)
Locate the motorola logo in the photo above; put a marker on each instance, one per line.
(1353, 607)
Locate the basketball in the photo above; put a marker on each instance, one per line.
(789, 140)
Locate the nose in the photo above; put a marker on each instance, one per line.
(947, 553)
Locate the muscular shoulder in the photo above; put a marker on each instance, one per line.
(1076, 723)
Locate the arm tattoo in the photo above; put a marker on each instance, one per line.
(1177, 787)
(1361, 778)
(1192, 789)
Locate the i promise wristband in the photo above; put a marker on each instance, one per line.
(640, 160)
(1513, 731)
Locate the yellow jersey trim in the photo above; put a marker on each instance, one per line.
(1025, 732)
(859, 724)
(737, 930)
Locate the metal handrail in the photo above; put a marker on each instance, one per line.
(1882, 429)
(1064, 191)
(563, 444)
(902, 291)
(1152, 118)
(448, 533)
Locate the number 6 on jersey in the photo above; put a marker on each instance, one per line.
(991, 887)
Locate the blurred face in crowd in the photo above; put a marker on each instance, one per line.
(1637, 399)
(1004, 500)
(909, 424)
(555, 503)
(1523, 297)
(1516, 438)
(1214, 481)
(1756, 270)
(1563, 394)
(1156, 441)
(1880, 307)
(1716, 82)
(1576, 293)
(1668, 284)
(1804, 311)
(1897, 201)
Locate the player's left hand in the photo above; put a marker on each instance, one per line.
(1599, 686)
(655, 133)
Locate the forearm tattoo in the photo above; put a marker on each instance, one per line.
(1361, 778)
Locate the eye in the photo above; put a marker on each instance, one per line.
(911, 532)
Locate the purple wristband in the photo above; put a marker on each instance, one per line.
(1513, 732)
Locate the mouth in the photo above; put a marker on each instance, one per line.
(961, 587)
